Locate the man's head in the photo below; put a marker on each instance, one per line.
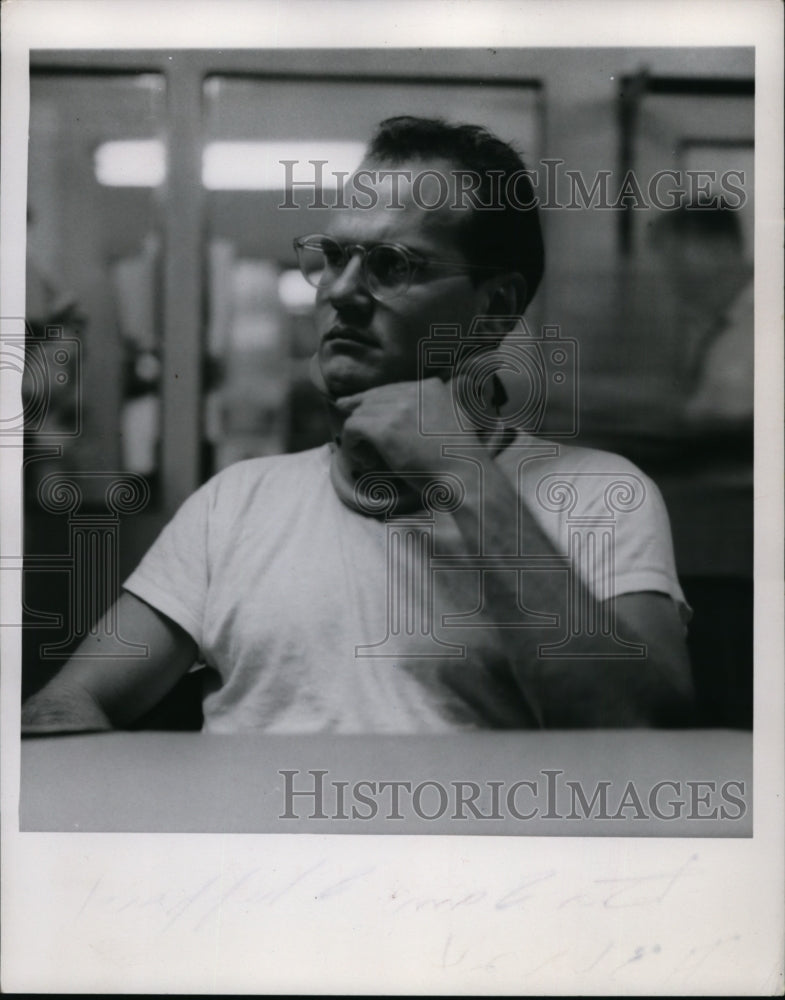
(427, 183)
(710, 225)
(503, 234)
(701, 249)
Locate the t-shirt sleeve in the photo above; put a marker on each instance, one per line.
(608, 517)
(172, 577)
(643, 557)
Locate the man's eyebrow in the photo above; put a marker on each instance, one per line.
(422, 251)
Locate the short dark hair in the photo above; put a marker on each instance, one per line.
(510, 238)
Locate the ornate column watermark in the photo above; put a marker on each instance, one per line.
(410, 560)
(591, 548)
(92, 560)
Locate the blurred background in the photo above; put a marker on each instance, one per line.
(159, 255)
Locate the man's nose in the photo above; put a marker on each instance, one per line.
(349, 288)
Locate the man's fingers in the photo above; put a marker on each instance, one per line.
(467, 385)
(348, 404)
(382, 394)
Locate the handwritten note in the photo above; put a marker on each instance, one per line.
(534, 922)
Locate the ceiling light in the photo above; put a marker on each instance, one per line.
(131, 163)
(261, 166)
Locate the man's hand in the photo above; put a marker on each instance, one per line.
(63, 707)
(391, 418)
(96, 690)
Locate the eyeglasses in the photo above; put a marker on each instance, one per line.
(387, 268)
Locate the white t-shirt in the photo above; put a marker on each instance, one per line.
(726, 382)
(316, 618)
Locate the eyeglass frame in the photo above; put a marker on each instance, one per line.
(413, 258)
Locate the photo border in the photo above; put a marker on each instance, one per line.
(223, 913)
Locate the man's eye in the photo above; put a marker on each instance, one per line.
(389, 265)
(333, 255)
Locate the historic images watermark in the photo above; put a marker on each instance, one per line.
(547, 795)
(549, 186)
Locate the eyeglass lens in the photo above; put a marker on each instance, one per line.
(386, 269)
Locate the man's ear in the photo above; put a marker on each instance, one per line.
(504, 296)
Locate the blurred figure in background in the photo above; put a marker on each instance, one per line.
(703, 254)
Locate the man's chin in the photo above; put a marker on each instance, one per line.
(346, 376)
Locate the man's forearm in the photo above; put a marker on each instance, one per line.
(63, 706)
(583, 688)
(493, 523)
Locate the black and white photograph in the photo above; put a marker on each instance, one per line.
(392, 497)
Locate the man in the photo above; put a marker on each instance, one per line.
(342, 589)
(702, 251)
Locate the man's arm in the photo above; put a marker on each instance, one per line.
(99, 690)
(654, 690)
(584, 689)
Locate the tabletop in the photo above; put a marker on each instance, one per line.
(694, 783)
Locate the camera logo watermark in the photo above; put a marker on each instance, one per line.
(543, 364)
(49, 364)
